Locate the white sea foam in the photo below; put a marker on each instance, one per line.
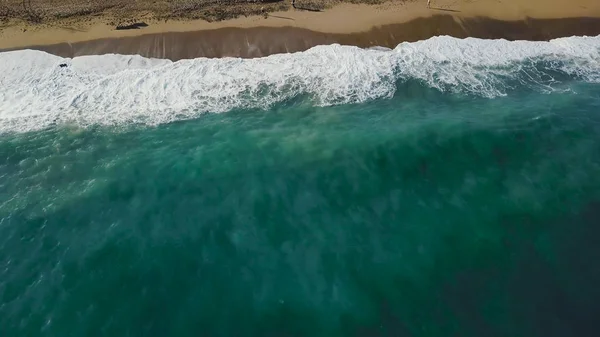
(114, 89)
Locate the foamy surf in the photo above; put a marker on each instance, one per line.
(116, 89)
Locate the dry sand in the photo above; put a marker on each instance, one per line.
(364, 25)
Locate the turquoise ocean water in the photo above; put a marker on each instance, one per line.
(443, 188)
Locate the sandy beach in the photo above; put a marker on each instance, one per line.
(385, 24)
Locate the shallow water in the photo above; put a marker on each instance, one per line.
(404, 206)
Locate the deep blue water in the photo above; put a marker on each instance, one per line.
(433, 212)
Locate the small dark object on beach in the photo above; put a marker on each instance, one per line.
(136, 25)
(63, 65)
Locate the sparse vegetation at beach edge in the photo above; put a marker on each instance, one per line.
(123, 12)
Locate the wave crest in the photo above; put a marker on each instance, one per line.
(115, 89)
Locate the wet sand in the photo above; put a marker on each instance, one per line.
(385, 25)
(262, 41)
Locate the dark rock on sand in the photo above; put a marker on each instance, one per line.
(136, 25)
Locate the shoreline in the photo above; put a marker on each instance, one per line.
(361, 25)
(264, 41)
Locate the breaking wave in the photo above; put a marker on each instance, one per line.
(38, 92)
